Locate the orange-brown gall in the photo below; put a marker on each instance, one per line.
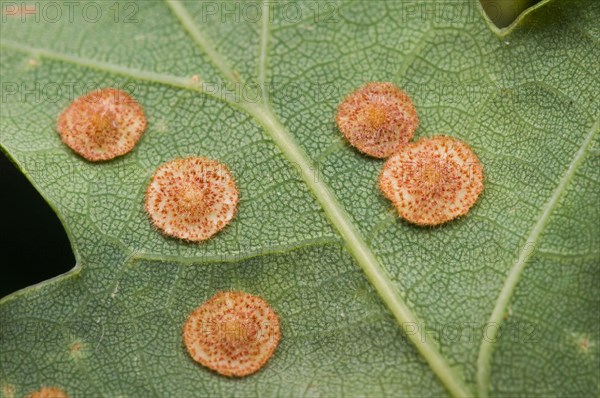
(433, 180)
(48, 392)
(233, 333)
(102, 125)
(191, 198)
(378, 119)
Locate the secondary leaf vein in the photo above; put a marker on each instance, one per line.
(497, 317)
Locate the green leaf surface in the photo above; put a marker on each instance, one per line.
(504, 301)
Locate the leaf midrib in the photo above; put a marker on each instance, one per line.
(339, 218)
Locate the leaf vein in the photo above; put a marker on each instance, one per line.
(497, 316)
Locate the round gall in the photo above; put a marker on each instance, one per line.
(233, 333)
(378, 119)
(48, 392)
(102, 125)
(191, 198)
(433, 180)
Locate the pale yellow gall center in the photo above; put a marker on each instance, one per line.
(375, 116)
(193, 199)
(232, 333)
(8, 390)
(75, 347)
(236, 332)
(105, 129)
(432, 178)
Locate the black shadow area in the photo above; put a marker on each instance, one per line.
(504, 12)
(33, 244)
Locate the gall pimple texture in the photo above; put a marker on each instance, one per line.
(102, 125)
(378, 119)
(433, 180)
(191, 198)
(233, 333)
(48, 392)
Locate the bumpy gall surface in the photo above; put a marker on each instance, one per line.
(433, 180)
(233, 333)
(48, 392)
(191, 198)
(378, 119)
(102, 125)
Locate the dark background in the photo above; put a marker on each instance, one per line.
(504, 12)
(33, 242)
